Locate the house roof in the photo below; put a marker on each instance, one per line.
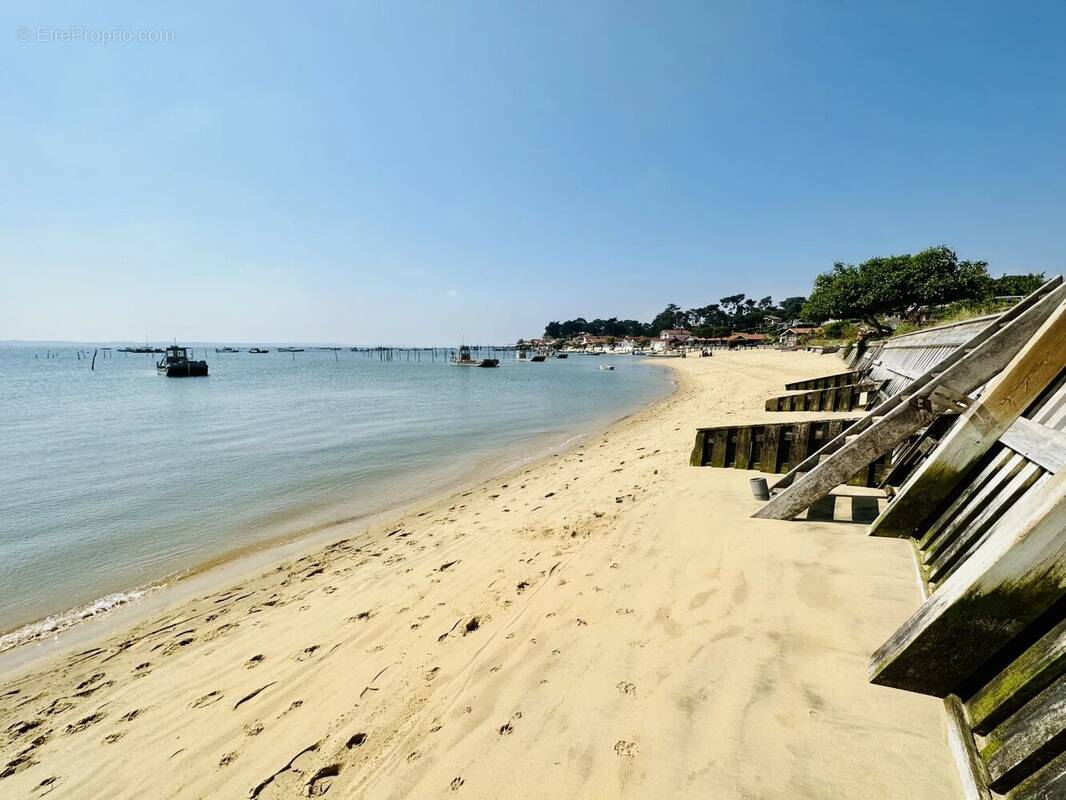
(748, 337)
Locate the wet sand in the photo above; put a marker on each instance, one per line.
(607, 622)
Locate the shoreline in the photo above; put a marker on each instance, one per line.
(85, 628)
(605, 622)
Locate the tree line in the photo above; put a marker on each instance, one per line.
(737, 312)
(891, 286)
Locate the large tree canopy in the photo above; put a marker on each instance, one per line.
(883, 286)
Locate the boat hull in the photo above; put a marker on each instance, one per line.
(192, 369)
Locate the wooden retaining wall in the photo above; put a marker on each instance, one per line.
(839, 398)
(774, 447)
(971, 428)
(986, 512)
(897, 361)
(827, 382)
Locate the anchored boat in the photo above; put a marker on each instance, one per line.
(175, 363)
(463, 359)
(257, 350)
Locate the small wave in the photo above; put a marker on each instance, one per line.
(50, 626)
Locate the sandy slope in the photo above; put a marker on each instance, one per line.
(607, 623)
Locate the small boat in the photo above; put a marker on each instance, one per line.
(257, 350)
(290, 349)
(537, 358)
(175, 363)
(607, 366)
(463, 359)
(560, 355)
(226, 350)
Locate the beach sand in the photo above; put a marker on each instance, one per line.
(608, 622)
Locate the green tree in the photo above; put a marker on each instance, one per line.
(891, 285)
(1017, 285)
(670, 317)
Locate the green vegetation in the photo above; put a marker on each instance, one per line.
(932, 287)
(736, 312)
(895, 285)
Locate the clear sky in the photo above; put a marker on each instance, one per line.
(409, 173)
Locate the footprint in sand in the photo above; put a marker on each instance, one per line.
(625, 687)
(253, 728)
(84, 722)
(227, 759)
(254, 661)
(457, 784)
(47, 785)
(508, 727)
(208, 699)
(625, 749)
(320, 782)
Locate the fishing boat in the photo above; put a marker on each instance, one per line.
(560, 355)
(607, 366)
(290, 349)
(226, 350)
(175, 363)
(536, 359)
(257, 350)
(463, 359)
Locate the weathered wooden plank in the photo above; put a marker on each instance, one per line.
(990, 474)
(697, 456)
(1038, 443)
(1020, 681)
(769, 460)
(972, 772)
(1047, 783)
(1032, 369)
(742, 456)
(1017, 574)
(1027, 740)
(981, 503)
(1030, 478)
(801, 440)
(718, 453)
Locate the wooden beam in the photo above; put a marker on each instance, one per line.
(1028, 740)
(1038, 443)
(1016, 575)
(1027, 375)
(1048, 783)
(972, 773)
(1020, 681)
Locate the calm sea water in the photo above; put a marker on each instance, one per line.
(116, 478)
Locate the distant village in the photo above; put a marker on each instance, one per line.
(779, 332)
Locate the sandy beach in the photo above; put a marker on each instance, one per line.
(608, 622)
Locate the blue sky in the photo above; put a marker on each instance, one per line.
(410, 173)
